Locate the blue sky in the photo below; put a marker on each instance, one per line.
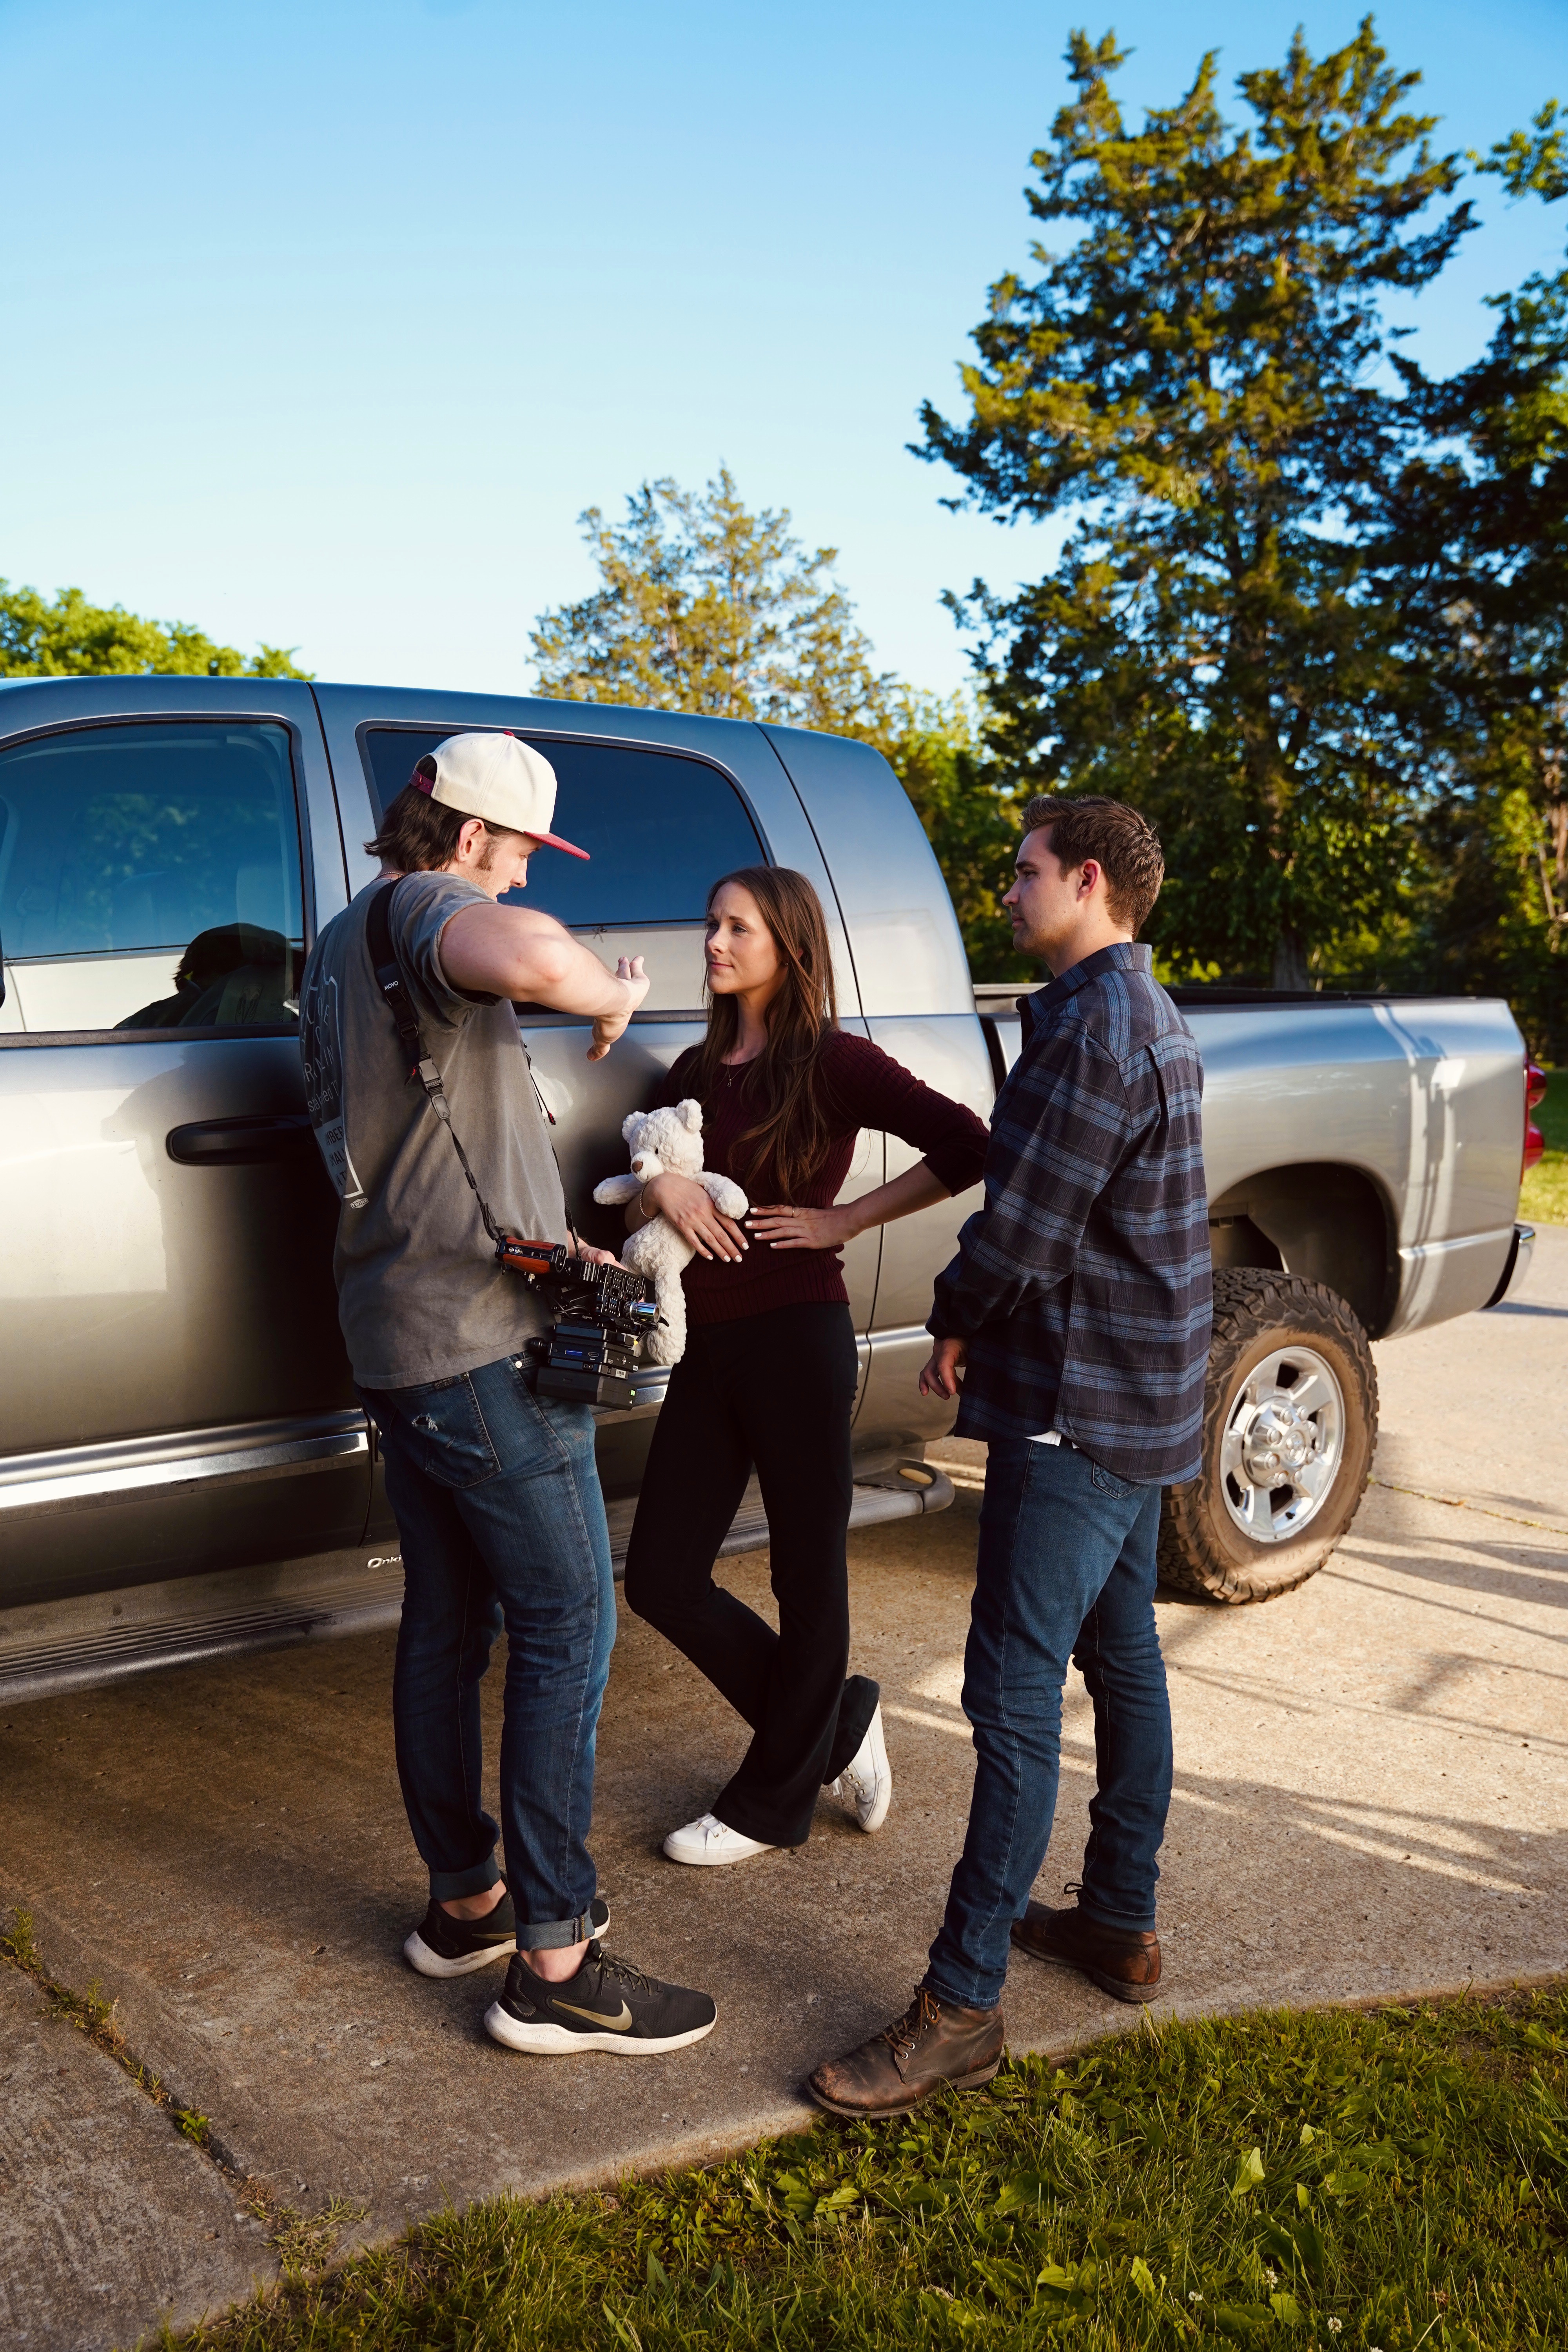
(322, 323)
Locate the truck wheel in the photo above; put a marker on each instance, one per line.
(1289, 1421)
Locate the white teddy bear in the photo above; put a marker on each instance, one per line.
(660, 1140)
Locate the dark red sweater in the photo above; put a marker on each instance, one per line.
(861, 1086)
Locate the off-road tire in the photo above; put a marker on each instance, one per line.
(1255, 1311)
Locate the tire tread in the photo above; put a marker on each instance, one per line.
(1249, 1301)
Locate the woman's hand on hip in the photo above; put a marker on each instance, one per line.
(695, 1220)
(815, 1229)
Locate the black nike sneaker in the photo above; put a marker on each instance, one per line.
(442, 1946)
(607, 2005)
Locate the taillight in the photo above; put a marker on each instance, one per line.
(1534, 1092)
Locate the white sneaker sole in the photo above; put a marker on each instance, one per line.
(719, 1860)
(418, 1955)
(544, 2040)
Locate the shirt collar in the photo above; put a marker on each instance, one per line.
(1122, 955)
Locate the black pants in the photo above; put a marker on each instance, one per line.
(775, 1391)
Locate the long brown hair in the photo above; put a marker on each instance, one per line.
(789, 1137)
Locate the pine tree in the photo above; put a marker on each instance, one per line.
(1194, 380)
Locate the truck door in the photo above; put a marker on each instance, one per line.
(173, 1392)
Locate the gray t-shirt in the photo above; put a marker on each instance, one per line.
(420, 1296)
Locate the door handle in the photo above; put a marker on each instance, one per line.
(239, 1142)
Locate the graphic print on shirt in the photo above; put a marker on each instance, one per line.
(321, 1037)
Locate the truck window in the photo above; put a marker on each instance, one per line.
(658, 828)
(150, 878)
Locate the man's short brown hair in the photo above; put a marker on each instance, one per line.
(420, 835)
(1124, 845)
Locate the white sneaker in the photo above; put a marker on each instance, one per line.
(709, 1842)
(867, 1780)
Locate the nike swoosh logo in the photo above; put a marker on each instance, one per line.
(622, 2025)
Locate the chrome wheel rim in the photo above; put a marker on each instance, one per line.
(1284, 1441)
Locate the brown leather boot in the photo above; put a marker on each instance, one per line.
(1122, 1961)
(934, 2044)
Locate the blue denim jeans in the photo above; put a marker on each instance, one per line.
(497, 1503)
(1066, 1570)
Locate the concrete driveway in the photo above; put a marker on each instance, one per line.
(1371, 1800)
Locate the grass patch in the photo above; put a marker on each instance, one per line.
(1397, 2180)
(1545, 1197)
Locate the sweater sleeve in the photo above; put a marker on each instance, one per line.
(866, 1088)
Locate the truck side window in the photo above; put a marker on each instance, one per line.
(658, 828)
(150, 878)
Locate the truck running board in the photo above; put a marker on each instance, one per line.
(101, 1637)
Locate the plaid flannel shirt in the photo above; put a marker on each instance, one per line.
(1082, 1287)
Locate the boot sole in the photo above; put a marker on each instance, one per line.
(1136, 1995)
(974, 2082)
(559, 2041)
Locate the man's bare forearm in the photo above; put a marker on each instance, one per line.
(512, 951)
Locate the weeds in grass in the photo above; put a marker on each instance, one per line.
(1397, 2182)
(306, 2242)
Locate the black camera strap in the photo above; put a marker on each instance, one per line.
(390, 981)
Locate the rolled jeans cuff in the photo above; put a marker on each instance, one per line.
(448, 1886)
(552, 1934)
(950, 1999)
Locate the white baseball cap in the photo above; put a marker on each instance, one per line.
(508, 784)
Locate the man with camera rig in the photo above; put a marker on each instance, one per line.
(406, 1028)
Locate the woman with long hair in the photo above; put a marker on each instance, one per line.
(769, 1375)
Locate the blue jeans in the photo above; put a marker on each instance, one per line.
(1066, 1569)
(497, 1503)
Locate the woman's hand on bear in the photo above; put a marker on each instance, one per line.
(687, 1206)
(815, 1229)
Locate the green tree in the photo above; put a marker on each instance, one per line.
(704, 606)
(65, 636)
(1194, 380)
(1477, 549)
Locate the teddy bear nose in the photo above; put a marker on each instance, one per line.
(637, 1167)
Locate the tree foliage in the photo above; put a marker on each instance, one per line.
(1475, 559)
(1195, 380)
(65, 636)
(705, 606)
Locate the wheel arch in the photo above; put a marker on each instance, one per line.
(1323, 1219)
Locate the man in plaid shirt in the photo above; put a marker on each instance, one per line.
(1077, 1317)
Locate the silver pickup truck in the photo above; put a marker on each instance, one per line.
(184, 1471)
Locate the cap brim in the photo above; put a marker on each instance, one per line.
(553, 841)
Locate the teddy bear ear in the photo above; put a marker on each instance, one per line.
(634, 1119)
(690, 1112)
